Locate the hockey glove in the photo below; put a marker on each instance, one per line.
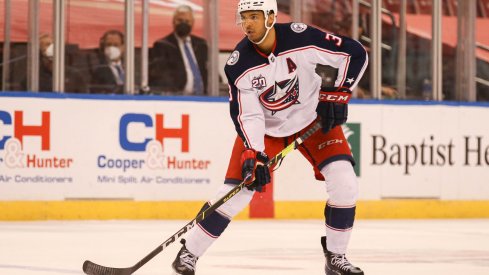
(333, 107)
(254, 162)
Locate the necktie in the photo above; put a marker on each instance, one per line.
(120, 73)
(198, 83)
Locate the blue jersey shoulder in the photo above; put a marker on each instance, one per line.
(242, 58)
(297, 35)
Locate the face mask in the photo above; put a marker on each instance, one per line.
(112, 53)
(49, 51)
(183, 29)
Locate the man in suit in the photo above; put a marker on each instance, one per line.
(74, 80)
(109, 76)
(179, 60)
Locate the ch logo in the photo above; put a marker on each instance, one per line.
(21, 129)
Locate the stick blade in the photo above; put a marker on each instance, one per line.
(92, 268)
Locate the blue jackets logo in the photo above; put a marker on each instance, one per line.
(281, 95)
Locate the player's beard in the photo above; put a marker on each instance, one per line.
(255, 37)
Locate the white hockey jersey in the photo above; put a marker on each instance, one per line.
(277, 95)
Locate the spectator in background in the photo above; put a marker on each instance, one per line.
(180, 59)
(74, 81)
(109, 76)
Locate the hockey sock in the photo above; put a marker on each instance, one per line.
(215, 223)
(208, 230)
(339, 222)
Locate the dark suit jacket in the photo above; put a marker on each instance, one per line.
(104, 81)
(167, 69)
(74, 80)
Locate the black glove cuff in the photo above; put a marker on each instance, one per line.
(262, 157)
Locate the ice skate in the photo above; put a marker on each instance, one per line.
(338, 264)
(184, 263)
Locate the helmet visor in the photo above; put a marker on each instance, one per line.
(242, 18)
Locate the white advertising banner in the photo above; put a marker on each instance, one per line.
(176, 150)
(406, 150)
(66, 148)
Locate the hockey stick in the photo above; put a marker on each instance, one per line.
(95, 269)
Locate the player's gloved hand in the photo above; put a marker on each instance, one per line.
(254, 162)
(333, 107)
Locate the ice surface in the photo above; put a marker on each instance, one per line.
(400, 247)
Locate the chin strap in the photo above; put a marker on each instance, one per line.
(268, 30)
(266, 33)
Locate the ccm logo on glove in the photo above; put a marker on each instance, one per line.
(333, 107)
(339, 97)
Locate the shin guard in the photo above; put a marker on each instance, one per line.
(339, 213)
(202, 236)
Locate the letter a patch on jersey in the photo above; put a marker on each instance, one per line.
(281, 96)
(291, 65)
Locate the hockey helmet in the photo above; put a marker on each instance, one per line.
(267, 6)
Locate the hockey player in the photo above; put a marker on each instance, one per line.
(275, 95)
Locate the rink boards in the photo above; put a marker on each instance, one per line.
(101, 157)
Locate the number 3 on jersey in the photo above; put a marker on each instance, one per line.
(334, 38)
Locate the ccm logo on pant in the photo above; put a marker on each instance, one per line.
(329, 142)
